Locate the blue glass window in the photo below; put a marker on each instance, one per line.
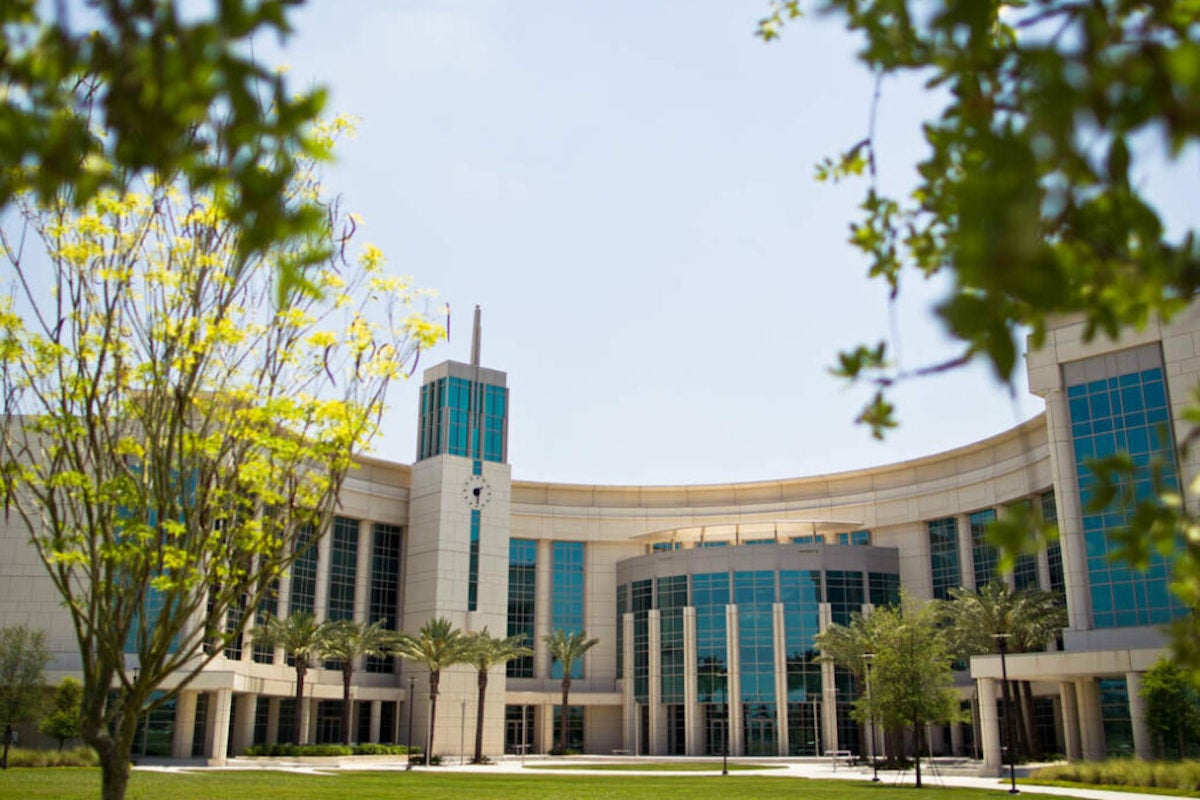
(566, 607)
(522, 600)
(943, 556)
(983, 555)
(385, 587)
(342, 568)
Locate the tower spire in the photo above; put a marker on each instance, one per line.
(475, 336)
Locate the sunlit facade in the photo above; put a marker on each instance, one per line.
(705, 599)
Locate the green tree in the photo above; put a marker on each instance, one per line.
(1031, 199)
(912, 684)
(98, 94)
(1028, 619)
(171, 432)
(438, 645)
(63, 722)
(485, 652)
(566, 649)
(302, 640)
(345, 642)
(1172, 707)
(23, 659)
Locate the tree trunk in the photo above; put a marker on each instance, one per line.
(483, 681)
(297, 734)
(347, 673)
(435, 678)
(566, 690)
(8, 734)
(918, 733)
(114, 746)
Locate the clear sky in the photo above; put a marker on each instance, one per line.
(627, 190)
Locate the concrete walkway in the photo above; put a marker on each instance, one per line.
(932, 775)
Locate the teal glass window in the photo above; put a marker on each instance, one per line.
(622, 608)
(1129, 414)
(343, 562)
(984, 556)
(641, 601)
(522, 600)
(710, 595)
(855, 538)
(800, 595)
(844, 593)
(754, 595)
(462, 418)
(303, 591)
(943, 556)
(268, 606)
(884, 588)
(670, 598)
(473, 562)
(384, 598)
(566, 596)
(1058, 581)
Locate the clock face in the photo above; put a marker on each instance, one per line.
(477, 492)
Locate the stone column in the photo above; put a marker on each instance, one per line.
(657, 734)
(1091, 726)
(1070, 720)
(543, 602)
(362, 573)
(956, 739)
(185, 725)
(692, 715)
(243, 734)
(376, 717)
(273, 720)
(779, 631)
(989, 724)
(733, 683)
(220, 705)
(1143, 742)
(628, 700)
(966, 551)
(324, 558)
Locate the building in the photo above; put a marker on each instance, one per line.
(701, 595)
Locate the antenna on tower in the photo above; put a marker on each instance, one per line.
(475, 336)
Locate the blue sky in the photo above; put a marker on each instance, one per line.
(626, 189)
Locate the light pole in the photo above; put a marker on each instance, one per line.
(725, 738)
(412, 685)
(1002, 646)
(868, 658)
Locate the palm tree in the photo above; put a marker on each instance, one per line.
(567, 648)
(300, 637)
(346, 641)
(438, 645)
(486, 652)
(1029, 619)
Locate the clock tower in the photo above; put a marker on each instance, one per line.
(456, 553)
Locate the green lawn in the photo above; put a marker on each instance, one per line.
(84, 784)
(657, 766)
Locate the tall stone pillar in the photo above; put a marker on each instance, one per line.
(658, 713)
(220, 706)
(733, 683)
(273, 720)
(1143, 742)
(185, 724)
(376, 716)
(1091, 725)
(692, 712)
(1070, 720)
(243, 734)
(989, 724)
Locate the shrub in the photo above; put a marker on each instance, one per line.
(1179, 775)
(294, 751)
(75, 757)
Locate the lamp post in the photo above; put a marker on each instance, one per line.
(725, 738)
(412, 685)
(1002, 646)
(868, 658)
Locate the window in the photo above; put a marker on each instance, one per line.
(567, 596)
(943, 556)
(449, 422)
(641, 601)
(670, 599)
(303, 595)
(844, 593)
(884, 588)
(522, 600)
(710, 595)
(574, 727)
(855, 538)
(983, 555)
(385, 587)
(1124, 414)
(1053, 549)
(342, 568)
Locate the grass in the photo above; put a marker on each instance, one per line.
(656, 766)
(84, 784)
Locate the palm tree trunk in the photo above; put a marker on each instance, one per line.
(1032, 747)
(297, 734)
(435, 678)
(347, 673)
(483, 681)
(566, 690)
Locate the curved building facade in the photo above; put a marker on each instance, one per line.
(704, 599)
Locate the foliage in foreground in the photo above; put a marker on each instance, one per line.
(81, 756)
(1182, 775)
(1033, 202)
